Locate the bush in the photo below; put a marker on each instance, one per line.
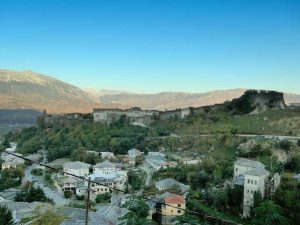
(285, 145)
(37, 172)
(33, 195)
(103, 198)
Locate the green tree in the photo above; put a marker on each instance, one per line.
(268, 213)
(288, 197)
(138, 207)
(33, 195)
(103, 198)
(47, 218)
(5, 216)
(235, 198)
(5, 143)
(285, 145)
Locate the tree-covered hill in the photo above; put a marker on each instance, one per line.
(63, 138)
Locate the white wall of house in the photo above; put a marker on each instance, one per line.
(252, 184)
(78, 172)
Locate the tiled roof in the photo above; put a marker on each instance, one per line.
(175, 199)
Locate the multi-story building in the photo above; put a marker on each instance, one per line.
(254, 177)
(169, 206)
(106, 182)
(107, 167)
(70, 183)
(255, 181)
(77, 168)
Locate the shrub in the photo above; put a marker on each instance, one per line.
(103, 198)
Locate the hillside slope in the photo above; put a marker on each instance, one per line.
(27, 89)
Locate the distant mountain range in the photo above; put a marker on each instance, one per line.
(173, 100)
(30, 90)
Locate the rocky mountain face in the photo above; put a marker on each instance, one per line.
(30, 90)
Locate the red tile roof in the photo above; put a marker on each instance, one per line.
(175, 199)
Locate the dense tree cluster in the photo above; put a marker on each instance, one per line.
(61, 139)
(11, 178)
(5, 216)
(32, 195)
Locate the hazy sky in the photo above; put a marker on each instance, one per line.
(155, 45)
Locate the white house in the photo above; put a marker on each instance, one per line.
(70, 183)
(253, 176)
(254, 181)
(107, 167)
(77, 168)
(106, 182)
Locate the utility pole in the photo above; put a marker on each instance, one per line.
(88, 202)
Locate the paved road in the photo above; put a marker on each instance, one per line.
(145, 167)
(279, 137)
(56, 196)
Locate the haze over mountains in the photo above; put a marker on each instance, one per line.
(27, 89)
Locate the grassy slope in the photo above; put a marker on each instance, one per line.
(277, 122)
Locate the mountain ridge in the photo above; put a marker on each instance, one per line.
(30, 90)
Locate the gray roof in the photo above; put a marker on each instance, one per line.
(108, 164)
(170, 182)
(249, 163)
(112, 213)
(257, 172)
(77, 216)
(76, 165)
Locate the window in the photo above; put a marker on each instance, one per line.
(236, 169)
(178, 211)
(255, 182)
(247, 191)
(251, 181)
(179, 205)
(248, 181)
(171, 210)
(251, 192)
